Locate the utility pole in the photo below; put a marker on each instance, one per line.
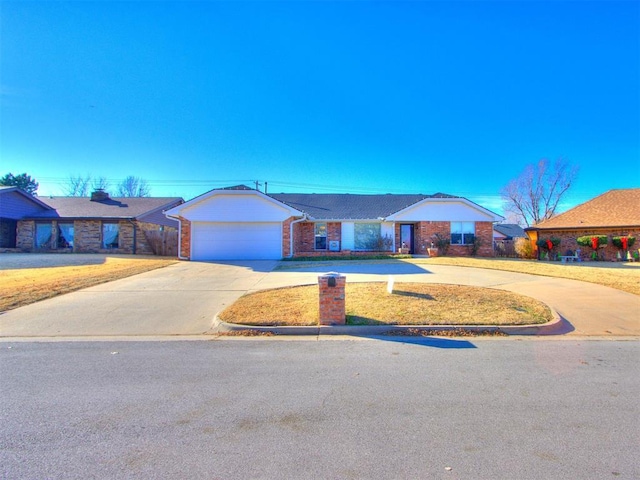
(258, 184)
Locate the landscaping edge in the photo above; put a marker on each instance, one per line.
(549, 328)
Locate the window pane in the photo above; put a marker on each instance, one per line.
(43, 235)
(321, 243)
(468, 238)
(456, 239)
(110, 235)
(456, 227)
(65, 235)
(468, 227)
(320, 236)
(367, 236)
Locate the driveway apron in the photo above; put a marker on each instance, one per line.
(180, 299)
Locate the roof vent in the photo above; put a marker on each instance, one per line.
(99, 195)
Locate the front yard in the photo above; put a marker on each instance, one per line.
(23, 282)
(29, 278)
(619, 275)
(409, 304)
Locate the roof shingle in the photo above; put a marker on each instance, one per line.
(615, 208)
(345, 206)
(122, 207)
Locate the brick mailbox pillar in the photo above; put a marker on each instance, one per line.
(331, 289)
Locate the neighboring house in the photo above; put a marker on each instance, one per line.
(508, 231)
(99, 224)
(243, 223)
(15, 204)
(504, 235)
(614, 213)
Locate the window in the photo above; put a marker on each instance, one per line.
(366, 236)
(43, 235)
(321, 236)
(110, 234)
(65, 235)
(463, 233)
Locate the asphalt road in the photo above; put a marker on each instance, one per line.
(475, 408)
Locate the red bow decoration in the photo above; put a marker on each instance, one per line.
(624, 241)
(594, 243)
(549, 245)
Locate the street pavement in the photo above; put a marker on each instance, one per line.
(183, 299)
(389, 408)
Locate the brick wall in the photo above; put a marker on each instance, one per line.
(331, 300)
(334, 232)
(26, 229)
(87, 237)
(424, 232)
(568, 240)
(484, 231)
(185, 238)
(286, 237)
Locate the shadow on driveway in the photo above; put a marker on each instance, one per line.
(373, 267)
(260, 266)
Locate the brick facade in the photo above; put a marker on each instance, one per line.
(424, 235)
(332, 309)
(305, 240)
(424, 232)
(185, 239)
(87, 237)
(568, 240)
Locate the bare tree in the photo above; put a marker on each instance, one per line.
(77, 186)
(535, 194)
(100, 183)
(134, 187)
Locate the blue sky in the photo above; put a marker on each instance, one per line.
(321, 96)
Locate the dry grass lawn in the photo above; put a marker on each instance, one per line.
(23, 286)
(621, 276)
(410, 304)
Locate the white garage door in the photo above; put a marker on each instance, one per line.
(236, 241)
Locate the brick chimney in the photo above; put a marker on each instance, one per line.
(99, 195)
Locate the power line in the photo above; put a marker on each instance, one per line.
(274, 186)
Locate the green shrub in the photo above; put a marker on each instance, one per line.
(587, 240)
(542, 243)
(617, 241)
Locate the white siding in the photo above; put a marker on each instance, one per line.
(347, 236)
(236, 208)
(454, 211)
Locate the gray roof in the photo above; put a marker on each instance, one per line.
(115, 208)
(6, 189)
(345, 206)
(511, 230)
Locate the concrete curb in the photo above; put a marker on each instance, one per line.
(549, 328)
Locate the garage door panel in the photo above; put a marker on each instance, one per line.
(236, 241)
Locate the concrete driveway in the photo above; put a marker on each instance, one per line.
(182, 299)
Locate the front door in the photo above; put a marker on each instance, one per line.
(406, 236)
